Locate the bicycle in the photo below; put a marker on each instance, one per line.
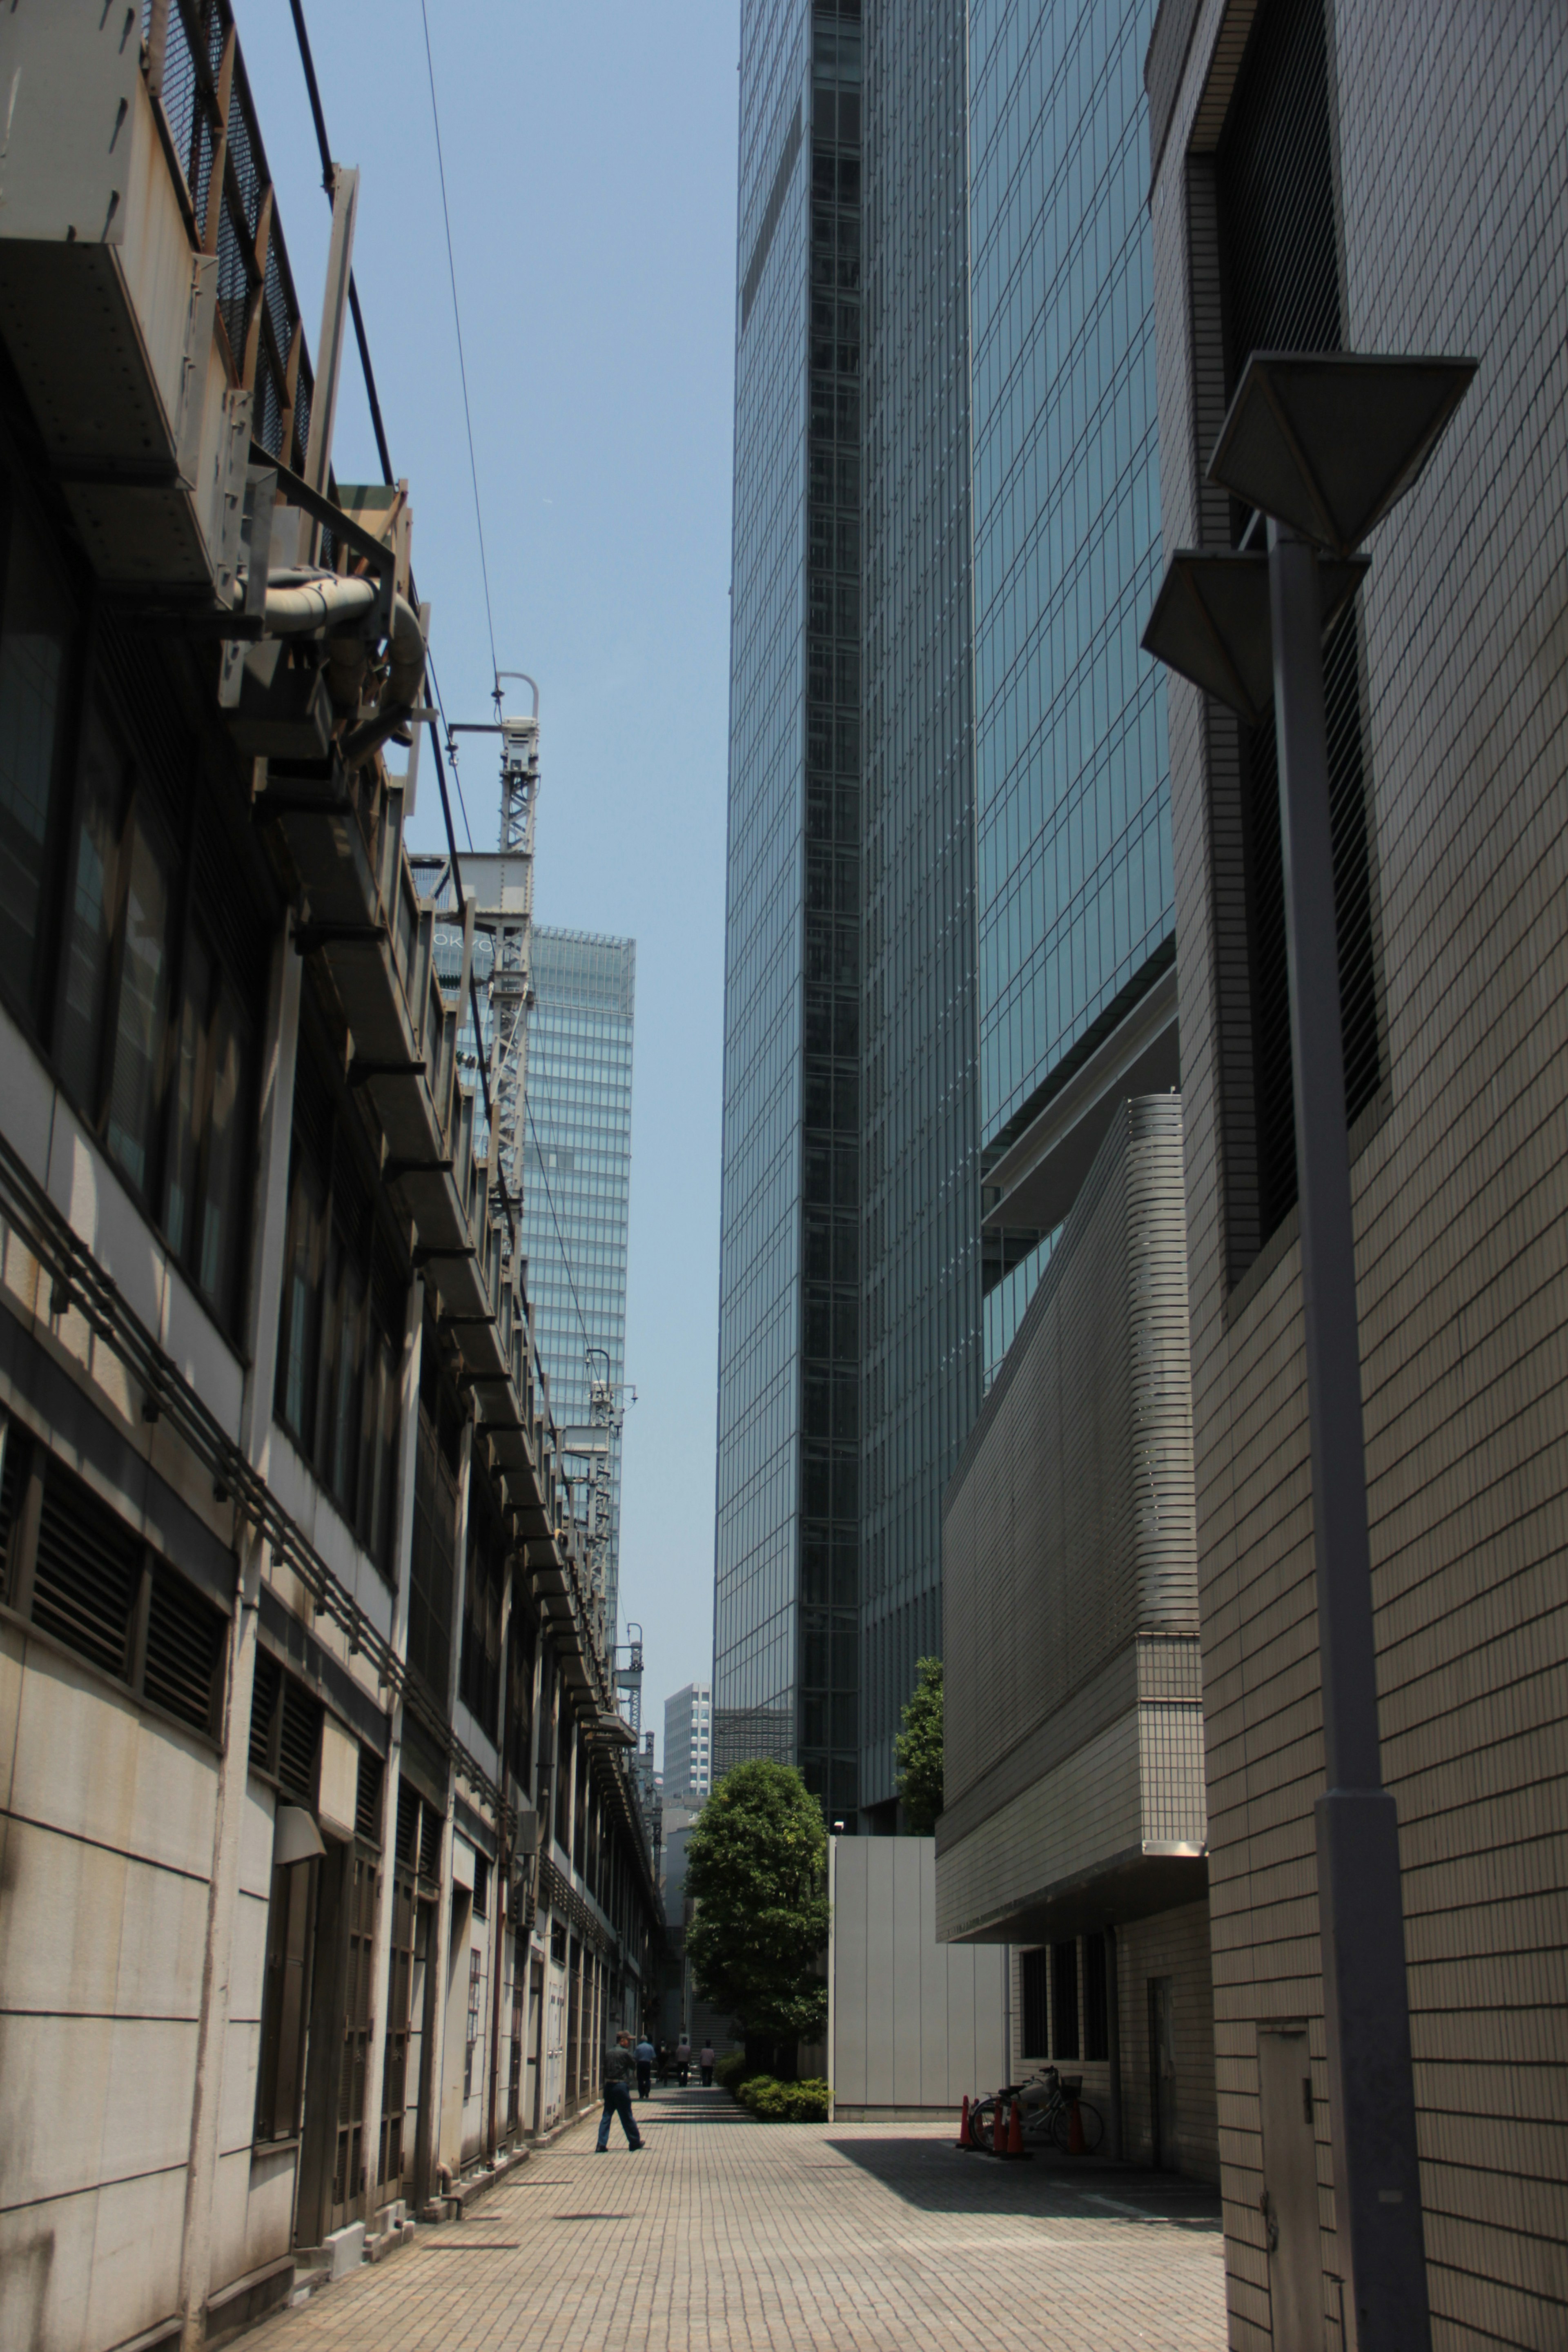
(1045, 2104)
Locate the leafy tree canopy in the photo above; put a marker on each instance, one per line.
(755, 1868)
(918, 1749)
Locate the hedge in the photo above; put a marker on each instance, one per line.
(772, 2102)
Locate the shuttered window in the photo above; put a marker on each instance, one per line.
(1280, 269)
(184, 1651)
(367, 1796)
(88, 1571)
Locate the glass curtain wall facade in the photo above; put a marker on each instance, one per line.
(920, 1176)
(1072, 769)
(577, 1163)
(785, 1663)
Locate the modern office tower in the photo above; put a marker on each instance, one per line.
(1076, 944)
(577, 1159)
(788, 1426)
(920, 1174)
(688, 1744)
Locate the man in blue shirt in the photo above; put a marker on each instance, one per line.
(646, 2055)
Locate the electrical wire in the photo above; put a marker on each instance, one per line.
(451, 750)
(457, 322)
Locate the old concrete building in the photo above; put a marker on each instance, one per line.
(1074, 1820)
(1338, 174)
(322, 1870)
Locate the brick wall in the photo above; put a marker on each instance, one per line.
(1452, 127)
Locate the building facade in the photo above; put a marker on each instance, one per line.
(1076, 913)
(921, 1294)
(1340, 175)
(1073, 1820)
(688, 1744)
(849, 1291)
(323, 1870)
(785, 1625)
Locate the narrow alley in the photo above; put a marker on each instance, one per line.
(727, 2235)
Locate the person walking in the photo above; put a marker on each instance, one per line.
(618, 2064)
(663, 2065)
(645, 2057)
(683, 2060)
(705, 2059)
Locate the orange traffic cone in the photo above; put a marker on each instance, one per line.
(1076, 2142)
(963, 2124)
(1015, 2130)
(999, 2128)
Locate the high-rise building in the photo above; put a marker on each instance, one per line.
(920, 1174)
(784, 1681)
(577, 1160)
(688, 1744)
(1077, 939)
(850, 1298)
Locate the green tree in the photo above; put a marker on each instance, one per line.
(755, 1869)
(918, 1749)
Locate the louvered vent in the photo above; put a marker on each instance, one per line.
(184, 1651)
(429, 1843)
(299, 1734)
(407, 1847)
(367, 1797)
(263, 1707)
(90, 1564)
(12, 1466)
(1275, 187)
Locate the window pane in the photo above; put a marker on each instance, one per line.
(223, 1193)
(142, 1014)
(302, 1297)
(91, 916)
(345, 1435)
(191, 1079)
(35, 637)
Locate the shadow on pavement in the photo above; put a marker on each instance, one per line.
(936, 2177)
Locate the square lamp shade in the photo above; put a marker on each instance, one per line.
(1210, 621)
(1327, 441)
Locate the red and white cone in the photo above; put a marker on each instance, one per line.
(963, 2124)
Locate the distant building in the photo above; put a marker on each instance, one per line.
(688, 1744)
(577, 1159)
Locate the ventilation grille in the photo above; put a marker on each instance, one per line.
(184, 1651)
(263, 1707)
(88, 1568)
(13, 1459)
(298, 1736)
(367, 1797)
(407, 1849)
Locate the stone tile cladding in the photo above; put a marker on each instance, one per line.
(1453, 124)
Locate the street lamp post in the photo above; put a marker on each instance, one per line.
(1322, 446)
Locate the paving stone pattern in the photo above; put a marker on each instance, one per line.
(729, 2234)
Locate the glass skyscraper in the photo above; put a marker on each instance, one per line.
(920, 1253)
(849, 1271)
(785, 1626)
(577, 1159)
(1072, 772)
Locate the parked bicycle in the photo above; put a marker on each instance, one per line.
(1045, 2104)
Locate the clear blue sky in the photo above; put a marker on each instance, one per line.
(590, 158)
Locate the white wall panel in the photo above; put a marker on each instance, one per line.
(915, 2023)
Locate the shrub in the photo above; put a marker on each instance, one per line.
(731, 2071)
(772, 2102)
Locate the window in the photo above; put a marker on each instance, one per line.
(432, 1562)
(479, 1676)
(1035, 1970)
(130, 941)
(281, 2070)
(340, 1320)
(1096, 1999)
(1064, 1999)
(471, 2038)
(76, 1569)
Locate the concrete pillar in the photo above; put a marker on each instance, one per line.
(270, 1213)
(402, 1556)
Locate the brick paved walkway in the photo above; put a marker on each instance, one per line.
(731, 2236)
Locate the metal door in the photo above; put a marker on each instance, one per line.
(348, 2170)
(1290, 2197)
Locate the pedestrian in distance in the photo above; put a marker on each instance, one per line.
(663, 2065)
(705, 2059)
(645, 2055)
(683, 2060)
(619, 2064)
